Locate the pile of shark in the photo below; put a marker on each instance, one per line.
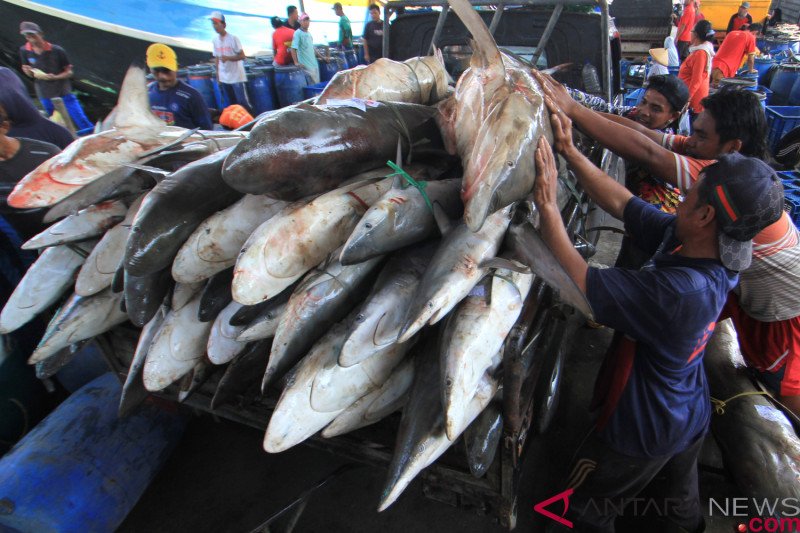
(326, 253)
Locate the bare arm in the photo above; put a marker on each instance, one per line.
(629, 144)
(294, 57)
(610, 195)
(653, 135)
(751, 61)
(551, 225)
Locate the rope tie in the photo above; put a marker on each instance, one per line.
(419, 185)
(416, 79)
(403, 128)
(720, 405)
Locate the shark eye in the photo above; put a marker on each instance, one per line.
(510, 163)
(368, 225)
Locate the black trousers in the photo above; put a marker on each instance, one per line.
(683, 49)
(606, 483)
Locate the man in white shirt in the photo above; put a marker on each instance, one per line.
(230, 63)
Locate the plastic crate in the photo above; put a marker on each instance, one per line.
(791, 202)
(780, 121)
(633, 97)
(314, 90)
(790, 179)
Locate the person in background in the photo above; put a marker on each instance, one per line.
(698, 15)
(659, 59)
(651, 393)
(18, 156)
(303, 52)
(26, 120)
(230, 63)
(292, 18)
(345, 32)
(672, 53)
(683, 34)
(737, 44)
(772, 19)
(696, 69)
(51, 69)
(373, 35)
(281, 42)
(173, 101)
(740, 18)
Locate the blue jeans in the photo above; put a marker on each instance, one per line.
(73, 108)
(236, 93)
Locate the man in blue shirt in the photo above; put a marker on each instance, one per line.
(652, 394)
(173, 101)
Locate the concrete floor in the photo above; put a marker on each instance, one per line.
(220, 480)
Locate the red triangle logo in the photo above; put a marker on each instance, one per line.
(564, 496)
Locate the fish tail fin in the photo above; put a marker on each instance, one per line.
(484, 51)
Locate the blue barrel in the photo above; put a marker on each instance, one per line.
(201, 77)
(351, 58)
(289, 83)
(260, 81)
(783, 82)
(762, 65)
(328, 70)
(83, 468)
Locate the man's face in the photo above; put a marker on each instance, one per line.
(35, 39)
(219, 27)
(166, 78)
(293, 15)
(339, 11)
(704, 142)
(654, 111)
(375, 14)
(305, 23)
(742, 12)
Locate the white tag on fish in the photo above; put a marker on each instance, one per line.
(356, 103)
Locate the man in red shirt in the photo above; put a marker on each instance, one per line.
(281, 41)
(729, 56)
(740, 18)
(683, 36)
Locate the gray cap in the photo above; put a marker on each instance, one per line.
(29, 27)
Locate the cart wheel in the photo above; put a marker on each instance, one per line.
(547, 391)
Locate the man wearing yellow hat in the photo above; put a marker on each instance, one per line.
(660, 61)
(173, 101)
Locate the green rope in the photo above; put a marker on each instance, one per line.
(419, 185)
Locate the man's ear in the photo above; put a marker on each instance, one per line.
(708, 215)
(734, 145)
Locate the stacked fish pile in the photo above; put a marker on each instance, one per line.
(294, 256)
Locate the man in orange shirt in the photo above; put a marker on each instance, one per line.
(683, 36)
(729, 56)
(281, 41)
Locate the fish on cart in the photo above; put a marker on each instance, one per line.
(89, 223)
(305, 150)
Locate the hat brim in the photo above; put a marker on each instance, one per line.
(660, 56)
(735, 255)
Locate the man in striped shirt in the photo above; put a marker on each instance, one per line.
(765, 306)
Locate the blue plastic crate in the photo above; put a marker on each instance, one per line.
(790, 179)
(791, 202)
(633, 97)
(314, 90)
(780, 121)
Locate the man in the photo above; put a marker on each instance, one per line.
(345, 32)
(740, 18)
(737, 44)
(373, 35)
(230, 63)
(766, 303)
(26, 120)
(292, 19)
(48, 64)
(281, 41)
(173, 101)
(686, 23)
(17, 158)
(652, 392)
(303, 52)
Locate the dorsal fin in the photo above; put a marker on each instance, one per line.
(133, 106)
(484, 48)
(399, 156)
(442, 220)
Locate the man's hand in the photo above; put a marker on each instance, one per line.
(557, 93)
(545, 190)
(27, 69)
(562, 132)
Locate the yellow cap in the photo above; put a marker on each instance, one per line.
(162, 56)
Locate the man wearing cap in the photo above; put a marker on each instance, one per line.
(230, 63)
(737, 44)
(173, 101)
(651, 393)
(740, 18)
(281, 41)
(345, 32)
(48, 64)
(303, 52)
(765, 307)
(660, 61)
